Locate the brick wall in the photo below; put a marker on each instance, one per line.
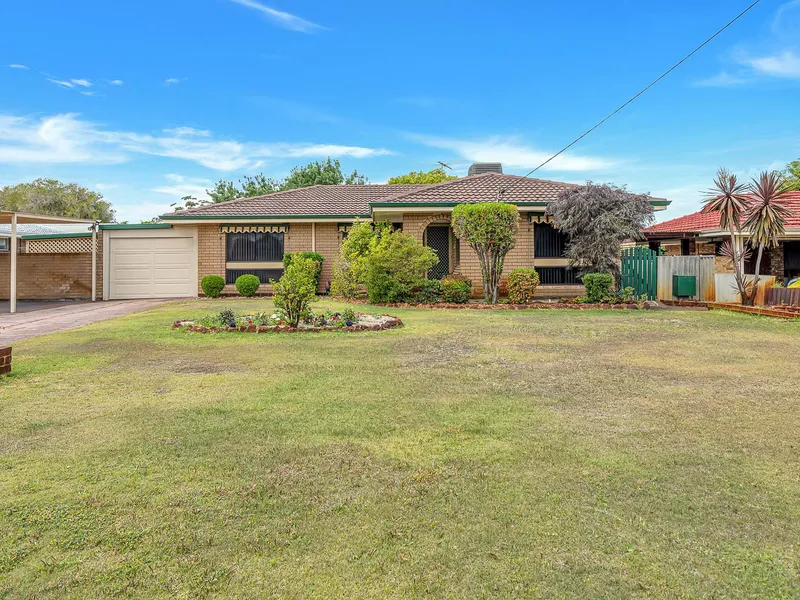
(52, 276)
(706, 249)
(776, 262)
(5, 360)
(211, 250)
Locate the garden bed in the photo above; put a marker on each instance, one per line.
(251, 325)
(504, 306)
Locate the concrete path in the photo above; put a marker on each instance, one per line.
(20, 326)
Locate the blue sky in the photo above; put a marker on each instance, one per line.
(147, 101)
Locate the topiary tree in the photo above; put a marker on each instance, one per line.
(296, 288)
(490, 229)
(597, 219)
(212, 285)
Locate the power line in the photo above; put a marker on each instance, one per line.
(662, 76)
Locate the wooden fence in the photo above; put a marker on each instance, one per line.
(702, 267)
(783, 296)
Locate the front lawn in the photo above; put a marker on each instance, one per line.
(469, 454)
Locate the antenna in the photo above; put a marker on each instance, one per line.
(444, 165)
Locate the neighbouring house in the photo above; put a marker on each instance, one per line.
(699, 233)
(251, 235)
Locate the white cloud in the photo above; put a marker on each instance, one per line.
(81, 82)
(172, 81)
(785, 64)
(514, 154)
(105, 186)
(68, 139)
(89, 93)
(282, 19)
(723, 79)
(181, 186)
(115, 82)
(66, 84)
(18, 66)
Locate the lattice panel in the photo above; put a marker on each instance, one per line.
(82, 245)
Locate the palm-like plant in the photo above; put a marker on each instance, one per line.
(766, 219)
(728, 197)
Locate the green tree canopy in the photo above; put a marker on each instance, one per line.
(314, 173)
(792, 174)
(437, 175)
(57, 199)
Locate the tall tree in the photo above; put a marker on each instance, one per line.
(314, 173)
(54, 198)
(597, 219)
(728, 198)
(766, 220)
(437, 175)
(792, 175)
(321, 173)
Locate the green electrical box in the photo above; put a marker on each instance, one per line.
(684, 285)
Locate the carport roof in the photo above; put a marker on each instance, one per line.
(6, 217)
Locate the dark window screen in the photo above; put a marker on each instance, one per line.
(264, 275)
(557, 276)
(548, 242)
(254, 247)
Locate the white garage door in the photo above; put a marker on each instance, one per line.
(154, 266)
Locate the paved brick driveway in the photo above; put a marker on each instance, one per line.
(58, 317)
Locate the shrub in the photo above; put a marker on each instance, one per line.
(394, 263)
(349, 271)
(598, 286)
(247, 285)
(294, 291)
(427, 291)
(212, 285)
(315, 256)
(382, 287)
(456, 289)
(522, 285)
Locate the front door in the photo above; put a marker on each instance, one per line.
(438, 238)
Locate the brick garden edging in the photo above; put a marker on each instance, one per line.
(532, 305)
(391, 324)
(5, 360)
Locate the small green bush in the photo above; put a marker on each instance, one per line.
(247, 285)
(522, 284)
(212, 285)
(456, 289)
(383, 287)
(315, 256)
(598, 287)
(294, 291)
(427, 291)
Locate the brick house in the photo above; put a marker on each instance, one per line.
(699, 233)
(251, 235)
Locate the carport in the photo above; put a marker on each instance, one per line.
(18, 218)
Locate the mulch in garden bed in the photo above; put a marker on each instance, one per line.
(389, 323)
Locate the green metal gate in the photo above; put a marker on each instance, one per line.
(640, 271)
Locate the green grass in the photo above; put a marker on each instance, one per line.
(569, 454)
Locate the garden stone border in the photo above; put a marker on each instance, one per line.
(392, 323)
(531, 306)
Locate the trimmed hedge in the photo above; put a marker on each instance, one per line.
(212, 285)
(456, 289)
(522, 284)
(598, 286)
(247, 285)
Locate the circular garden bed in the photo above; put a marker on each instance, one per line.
(268, 323)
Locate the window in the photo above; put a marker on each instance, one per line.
(254, 247)
(557, 276)
(264, 275)
(548, 242)
(4, 244)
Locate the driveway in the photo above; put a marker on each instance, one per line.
(46, 317)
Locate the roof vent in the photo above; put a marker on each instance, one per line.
(478, 168)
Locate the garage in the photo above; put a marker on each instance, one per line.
(149, 262)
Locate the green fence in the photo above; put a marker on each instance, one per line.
(640, 271)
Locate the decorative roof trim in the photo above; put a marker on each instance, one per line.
(282, 228)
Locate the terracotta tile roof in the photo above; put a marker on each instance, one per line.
(334, 200)
(483, 188)
(699, 221)
(352, 200)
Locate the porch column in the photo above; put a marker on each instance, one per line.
(94, 261)
(13, 269)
